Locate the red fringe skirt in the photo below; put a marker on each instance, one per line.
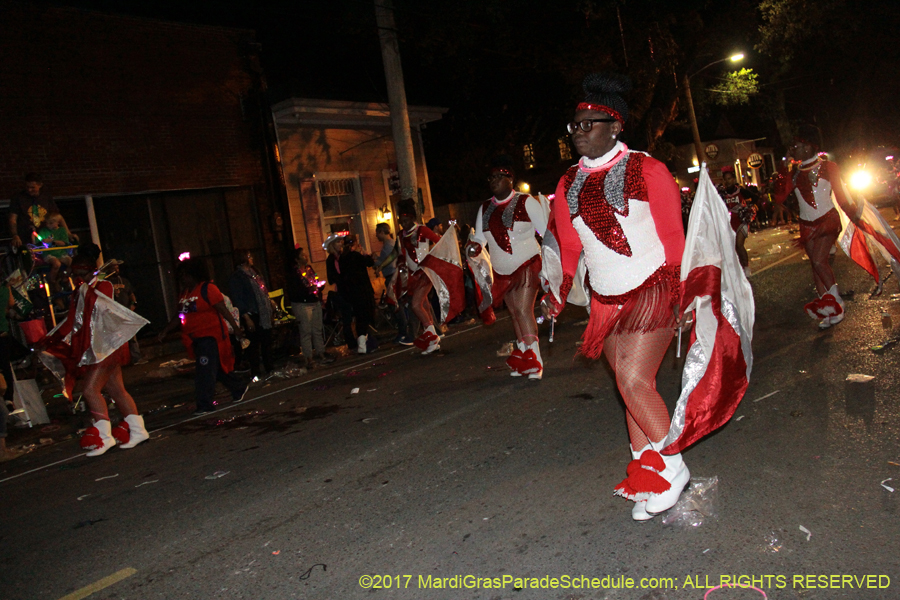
(828, 225)
(528, 275)
(645, 308)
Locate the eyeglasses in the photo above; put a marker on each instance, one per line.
(586, 125)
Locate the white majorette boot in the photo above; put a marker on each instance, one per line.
(639, 510)
(98, 438)
(429, 341)
(130, 432)
(361, 344)
(677, 475)
(831, 308)
(514, 362)
(531, 361)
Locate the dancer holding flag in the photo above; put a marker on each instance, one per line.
(820, 192)
(428, 261)
(620, 211)
(506, 225)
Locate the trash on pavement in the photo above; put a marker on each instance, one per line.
(80, 498)
(697, 504)
(773, 543)
(354, 391)
(775, 249)
(887, 487)
(218, 474)
(859, 378)
(506, 349)
(147, 483)
(308, 572)
(106, 477)
(183, 362)
(806, 531)
(767, 395)
(289, 372)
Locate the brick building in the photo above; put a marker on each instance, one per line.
(154, 137)
(337, 159)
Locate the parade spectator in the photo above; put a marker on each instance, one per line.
(54, 233)
(203, 316)
(250, 296)
(736, 198)
(28, 209)
(124, 295)
(305, 293)
(386, 265)
(339, 297)
(354, 267)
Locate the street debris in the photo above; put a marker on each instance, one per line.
(183, 362)
(776, 249)
(385, 374)
(218, 474)
(773, 544)
(289, 372)
(276, 552)
(806, 531)
(506, 349)
(886, 344)
(308, 572)
(859, 378)
(106, 477)
(147, 483)
(354, 391)
(369, 419)
(80, 498)
(739, 418)
(697, 505)
(767, 395)
(887, 487)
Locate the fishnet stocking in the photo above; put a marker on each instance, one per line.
(107, 375)
(635, 359)
(520, 302)
(420, 304)
(818, 249)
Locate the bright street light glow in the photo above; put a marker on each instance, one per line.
(525, 187)
(860, 180)
(737, 57)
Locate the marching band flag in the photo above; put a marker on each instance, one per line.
(443, 266)
(871, 232)
(718, 363)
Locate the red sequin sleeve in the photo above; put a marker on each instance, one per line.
(832, 173)
(783, 185)
(569, 242)
(427, 234)
(665, 207)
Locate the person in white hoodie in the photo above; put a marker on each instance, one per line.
(507, 225)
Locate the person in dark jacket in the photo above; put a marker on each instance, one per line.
(355, 269)
(304, 290)
(250, 295)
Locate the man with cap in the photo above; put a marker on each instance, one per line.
(619, 211)
(506, 224)
(817, 184)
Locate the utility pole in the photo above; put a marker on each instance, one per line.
(698, 145)
(393, 73)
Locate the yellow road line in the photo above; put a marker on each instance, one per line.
(100, 584)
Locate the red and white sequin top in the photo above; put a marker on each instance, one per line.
(623, 210)
(415, 244)
(817, 185)
(507, 228)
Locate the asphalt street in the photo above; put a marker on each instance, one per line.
(444, 467)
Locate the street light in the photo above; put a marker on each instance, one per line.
(698, 146)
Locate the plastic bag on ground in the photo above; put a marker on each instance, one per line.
(697, 505)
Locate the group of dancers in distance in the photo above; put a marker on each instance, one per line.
(611, 239)
(612, 236)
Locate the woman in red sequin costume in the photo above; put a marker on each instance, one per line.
(820, 192)
(415, 242)
(506, 224)
(620, 210)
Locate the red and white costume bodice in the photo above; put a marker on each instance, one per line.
(507, 228)
(817, 185)
(415, 244)
(623, 210)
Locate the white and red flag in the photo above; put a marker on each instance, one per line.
(718, 363)
(443, 266)
(870, 234)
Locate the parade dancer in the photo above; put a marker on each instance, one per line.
(415, 242)
(619, 211)
(735, 199)
(506, 224)
(820, 191)
(92, 345)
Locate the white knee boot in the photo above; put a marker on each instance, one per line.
(98, 438)
(133, 427)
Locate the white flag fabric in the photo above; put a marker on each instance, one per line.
(718, 364)
(443, 266)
